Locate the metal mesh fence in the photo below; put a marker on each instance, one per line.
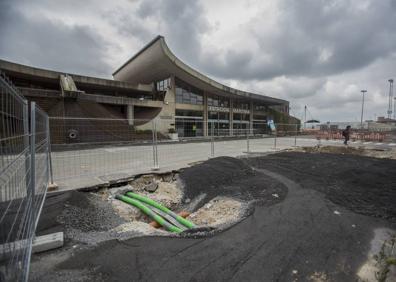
(87, 152)
(100, 147)
(23, 177)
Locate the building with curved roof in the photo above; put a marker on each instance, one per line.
(153, 84)
(193, 95)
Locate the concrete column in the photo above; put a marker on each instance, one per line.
(251, 117)
(205, 114)
(231, 117)
(130, 114)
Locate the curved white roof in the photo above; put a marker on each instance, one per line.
(156, 61)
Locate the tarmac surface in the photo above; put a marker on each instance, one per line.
(321, 225)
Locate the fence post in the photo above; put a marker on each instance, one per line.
(212, 140)
(275, 138)
(26, 141)
(295, 136)
(247, 142)
(155, 149)
(49, 153)
(32, 186)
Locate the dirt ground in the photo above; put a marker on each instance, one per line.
(230, 177)
(381, 153)
(362, 184)
(314, 216)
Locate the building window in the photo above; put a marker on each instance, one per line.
(218, 101)
(241, 118)
(241, 105)
(261, 108)
(218, 123)
(163, 85)
(189, 114)
(187, 94)
(281, 108)
(189, 123)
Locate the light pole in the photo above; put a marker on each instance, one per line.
(390, 98)
(361, 117)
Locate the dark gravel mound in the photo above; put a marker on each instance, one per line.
(362, 184)
(86, 212)
(76, 211)
(226, 176)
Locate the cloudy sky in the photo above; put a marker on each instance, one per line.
(318, 53)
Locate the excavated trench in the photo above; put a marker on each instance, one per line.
(295, 200)
(218, 193)
(214, 195)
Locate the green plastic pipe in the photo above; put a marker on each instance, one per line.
(150, 213)
(153, 203)
(167, 217)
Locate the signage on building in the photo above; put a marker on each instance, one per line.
(271, 124)
(241, 111)
(218, 109)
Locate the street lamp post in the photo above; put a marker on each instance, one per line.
(361, 117)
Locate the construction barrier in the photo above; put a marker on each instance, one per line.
(357, 136)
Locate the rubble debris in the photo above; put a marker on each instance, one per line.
(152, 187)
(219, 211)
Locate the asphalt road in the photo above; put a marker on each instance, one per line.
(304, 236)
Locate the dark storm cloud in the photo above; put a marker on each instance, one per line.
(313, 38)
(130, 25)
(185, 24)
(182, 22)
(50, 44)
(146, 9)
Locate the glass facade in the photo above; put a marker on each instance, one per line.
(261, 108)
(163, 85)
(189, 123)
(260, 126)
(240, 123)
(218, 101)
(220, 122)
(281, 108)
(187, 94)
(243, 105)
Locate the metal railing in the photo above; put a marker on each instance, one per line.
(24, 174)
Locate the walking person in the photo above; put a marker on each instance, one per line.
(346, 133)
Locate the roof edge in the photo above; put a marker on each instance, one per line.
(158, 37)
(28, 70)
(197, 74)
(203, 77)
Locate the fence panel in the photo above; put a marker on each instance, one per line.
(96, 148)
(87, 152)
(183, 146)
(23, 179)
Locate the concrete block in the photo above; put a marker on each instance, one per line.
(52, 187)
(152, 187)
(47, 242)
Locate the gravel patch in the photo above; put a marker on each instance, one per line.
(219, 211)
